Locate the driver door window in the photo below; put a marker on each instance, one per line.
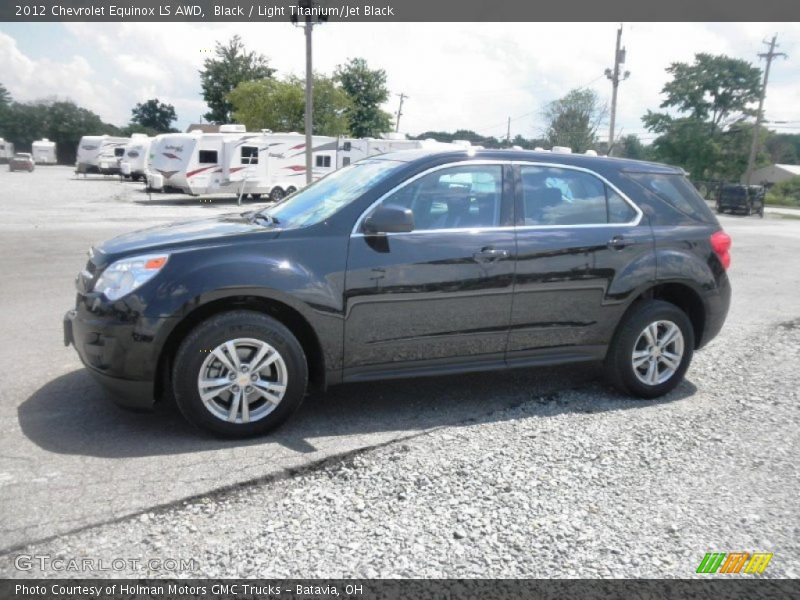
(464, 197)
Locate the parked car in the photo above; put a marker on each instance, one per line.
(741, 199)
(21, 161)
(403, 265)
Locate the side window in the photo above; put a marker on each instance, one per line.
(207, 157)
(347, 146)
(249, 155)
(556, 196)
(345, 160)
(466, 196)
(323, 160)
(619, 211)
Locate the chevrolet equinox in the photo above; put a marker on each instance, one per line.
(403, 265)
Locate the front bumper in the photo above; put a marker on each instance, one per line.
(121, 356)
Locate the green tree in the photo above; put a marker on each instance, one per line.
(155, 115)
(782, 149)
(712, 88)
(573, 120)
(232, 65)
(279, 105)
(630, 146)
(712, 97)
(367, 90)
(63, 122)
(5, 97)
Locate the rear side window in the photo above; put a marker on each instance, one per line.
(676, 192)
(119, 151)
(557, 196)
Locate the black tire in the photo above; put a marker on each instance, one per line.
(276, 194)
(291, 190)
(255, 197)
(618, 363)
(207, 336)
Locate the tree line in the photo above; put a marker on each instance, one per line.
(704, 124)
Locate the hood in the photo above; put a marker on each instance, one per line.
(203, 232)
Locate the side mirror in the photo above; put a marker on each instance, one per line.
(389, 218)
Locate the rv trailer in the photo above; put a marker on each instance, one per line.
(233, 161)
(133, 163)
(6, 151)
(351, 150)
(100, 154)
(44, 152)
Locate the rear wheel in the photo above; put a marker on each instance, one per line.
(651, 350)
(255, 197)
(239, 374)
(276, 194)
(291, 190)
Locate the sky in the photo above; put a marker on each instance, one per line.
(456, 75)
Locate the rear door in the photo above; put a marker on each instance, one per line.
(582, 247)
(441, 294)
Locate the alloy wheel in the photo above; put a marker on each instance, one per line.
(242, 380)
(658, 352)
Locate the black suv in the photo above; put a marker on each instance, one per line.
(743, 199)
(408, 264)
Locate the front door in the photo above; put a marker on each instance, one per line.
(441, 294)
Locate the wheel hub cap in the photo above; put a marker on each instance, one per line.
(658, 352)
(242, 380)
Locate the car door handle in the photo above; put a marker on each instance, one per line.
(618, 242)
(489, 254)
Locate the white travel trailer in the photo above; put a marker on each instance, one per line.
(44, 152)
(351, 150)
(100, 154)
(236, 162)
(6, 151)
(133, 163)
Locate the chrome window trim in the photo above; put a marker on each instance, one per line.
(523, 163)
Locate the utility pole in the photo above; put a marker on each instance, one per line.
(751, 161)
(399, 112)
(508, 133)
(303, 11)
(614, 76)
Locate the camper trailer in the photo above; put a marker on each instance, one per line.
(6, 151)
(100, 154)
(351, 150)
(236, 162)
(133, 163)
(44, 152)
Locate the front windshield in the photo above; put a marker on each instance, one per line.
(326, 196)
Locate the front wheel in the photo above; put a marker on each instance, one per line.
(239, 374)
(651, 350)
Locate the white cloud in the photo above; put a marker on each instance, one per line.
(457, 75)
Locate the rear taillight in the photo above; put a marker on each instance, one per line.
(721, 243)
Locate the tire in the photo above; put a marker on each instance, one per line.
(276, 194)
(630, 336)
(255, 197)
(251, 331)
(291, 190)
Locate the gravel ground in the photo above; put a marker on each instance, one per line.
(579, 483)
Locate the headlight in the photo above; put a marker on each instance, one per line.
(124, 276)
